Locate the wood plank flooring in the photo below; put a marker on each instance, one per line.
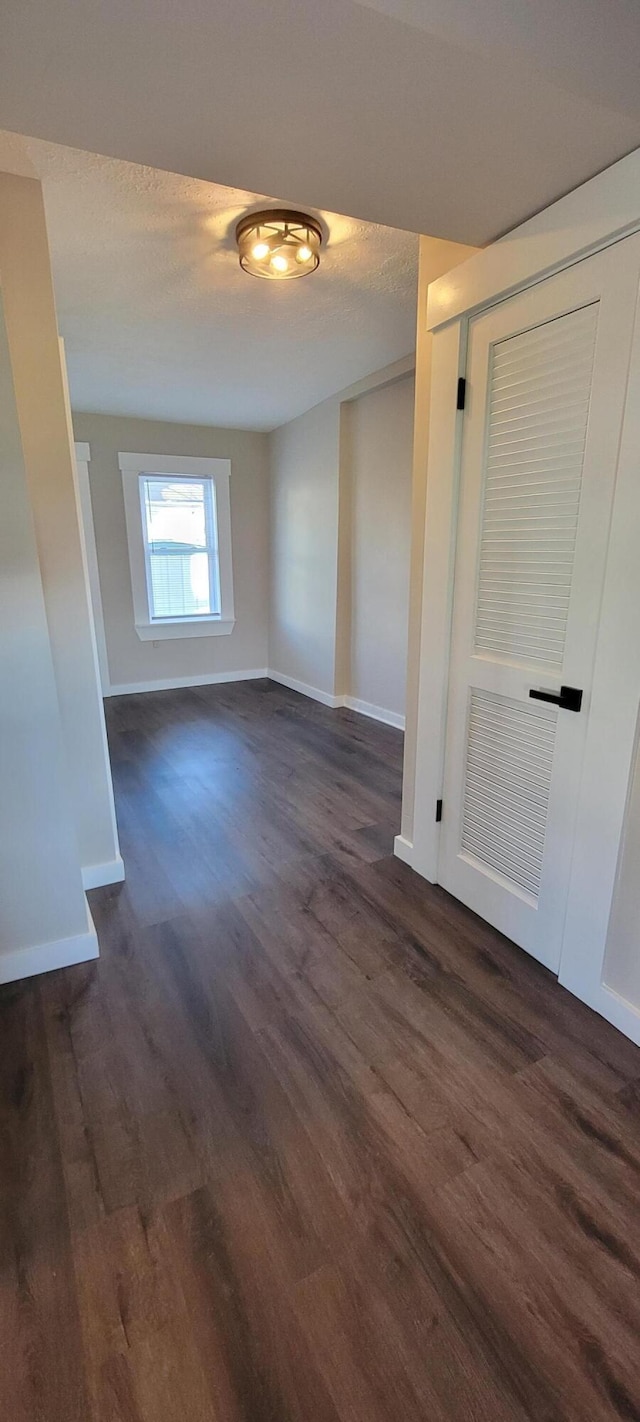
(310, 1142)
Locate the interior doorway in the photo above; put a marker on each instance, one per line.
(539, 448)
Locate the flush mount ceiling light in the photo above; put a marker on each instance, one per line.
(278, 244)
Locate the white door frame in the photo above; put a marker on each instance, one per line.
(83, 459)
(611, 745)
(602, 211)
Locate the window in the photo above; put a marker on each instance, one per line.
(181, 546)
(179, 534)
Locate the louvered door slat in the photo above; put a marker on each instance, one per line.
(508, 774)
(539, 393)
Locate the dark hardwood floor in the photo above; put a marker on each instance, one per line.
(310, 1143)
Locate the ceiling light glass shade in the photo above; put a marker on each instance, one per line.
(278, 244)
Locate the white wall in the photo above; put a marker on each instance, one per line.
(304, 458)
(38, 376)
(379, 465)
(42, 904)
(136, 663)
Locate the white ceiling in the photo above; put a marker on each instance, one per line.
(453, 117)
(589, 47)
(160, 322)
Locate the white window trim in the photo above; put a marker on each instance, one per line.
(219, 471)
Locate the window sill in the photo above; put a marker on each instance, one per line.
(182, 627)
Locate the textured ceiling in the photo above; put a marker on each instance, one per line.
(160, 322)
(453, 117)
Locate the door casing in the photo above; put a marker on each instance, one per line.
(594, 299)
(586, 221)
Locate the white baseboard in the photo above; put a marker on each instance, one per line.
(45, 957)
(313, 691)
(608, 1004)
(175, 682)
(94, 876)
(617, 1009)
(403, 849)
(377, 713)
(364, 708)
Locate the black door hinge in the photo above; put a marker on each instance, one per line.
(462, 393)
(438, 811)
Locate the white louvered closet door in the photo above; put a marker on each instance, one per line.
(546, 375)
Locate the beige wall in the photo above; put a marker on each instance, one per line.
(378, 469)
(304, 546)
(25, 277)
(132, 662)
(311, 536)
(41, 897)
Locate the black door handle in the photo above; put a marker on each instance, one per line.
(569, 698)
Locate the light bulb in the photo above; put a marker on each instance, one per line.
(277, 243)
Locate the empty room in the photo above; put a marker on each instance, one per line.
(319, 707)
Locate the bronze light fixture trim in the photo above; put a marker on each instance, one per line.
(279, 244)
